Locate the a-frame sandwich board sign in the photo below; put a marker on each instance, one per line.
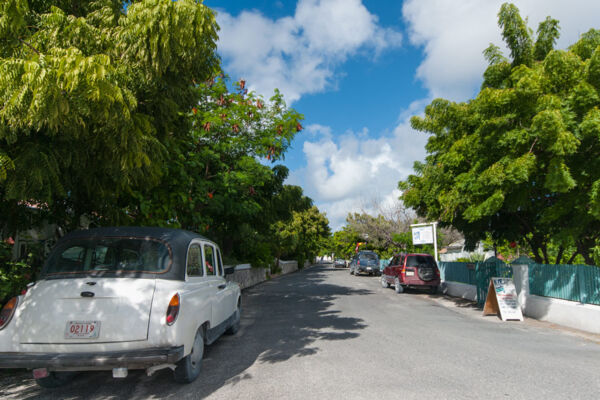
(502, 299)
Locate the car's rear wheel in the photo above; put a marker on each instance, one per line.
(433, 289)
(384, 282)
(351, 271)
(397, 286)
(55, 379)
(188, 368)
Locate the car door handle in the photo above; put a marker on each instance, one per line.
(223, 286)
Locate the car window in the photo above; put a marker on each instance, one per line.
(109, 254)
(368, 257)
(220, 263)
(194, 261)
(414, 261)
(209, 260)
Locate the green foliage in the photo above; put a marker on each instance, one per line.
(89, 92)
(343, 242)
(516, 34)
(308, 232)
(520, 162)
(547, 34)
(15, 275)
(119, 112)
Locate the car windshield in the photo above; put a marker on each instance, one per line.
(109, 254)
(413, 261)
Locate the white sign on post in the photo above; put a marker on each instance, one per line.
(502, 298)
(422, 234)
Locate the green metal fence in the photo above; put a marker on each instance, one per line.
(476, 274)
(485, 271)
(569, 282)
(461, 272)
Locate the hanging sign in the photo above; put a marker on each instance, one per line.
(502, 299)
(422, 234)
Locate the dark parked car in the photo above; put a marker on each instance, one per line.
(365, 262)
(411, 271)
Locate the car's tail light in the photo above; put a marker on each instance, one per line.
(173, 310)
(8, 311)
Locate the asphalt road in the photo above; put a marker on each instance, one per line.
(322, 333)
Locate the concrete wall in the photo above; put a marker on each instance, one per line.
(288, 266)
(247, 276)
(462, 290)
(585, 317)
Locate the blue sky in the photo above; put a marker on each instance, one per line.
(359, 69)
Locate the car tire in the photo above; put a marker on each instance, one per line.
(188, 368)
(351, 271)
(433, 290)
(235, 327)
(384, 283)
(55, 379)
(397, 286)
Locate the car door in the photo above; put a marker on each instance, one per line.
(389, 270)
(197, 296)
(218, 285)
(230, 293)
(397, 262)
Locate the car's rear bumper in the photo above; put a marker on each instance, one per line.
(419, 283)
(368, 270)
(103, 360)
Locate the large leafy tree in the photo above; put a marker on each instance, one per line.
(521, 160)
(214, 182)
(91, 94)
(308, 231)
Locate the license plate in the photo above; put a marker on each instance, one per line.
(369, 268)
(82, 330)
(410, 273)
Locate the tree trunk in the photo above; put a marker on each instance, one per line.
(559, 256)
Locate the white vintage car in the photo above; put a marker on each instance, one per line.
(119, 299)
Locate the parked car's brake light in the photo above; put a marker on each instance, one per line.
(173, 310)
(8, 311)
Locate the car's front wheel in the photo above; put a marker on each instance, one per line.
(55, 379)
(188, 368)
(397, 286)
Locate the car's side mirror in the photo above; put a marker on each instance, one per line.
(229, 270)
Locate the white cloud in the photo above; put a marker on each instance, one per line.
(347, 173)
(298, 54)
(455, 33)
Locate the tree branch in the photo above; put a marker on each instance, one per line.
(30, 46)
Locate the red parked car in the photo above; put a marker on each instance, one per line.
(411, 271)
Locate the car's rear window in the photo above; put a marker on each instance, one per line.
(368, 257)
(413, 261)
(109, 254)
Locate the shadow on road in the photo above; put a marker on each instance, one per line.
(281, 319)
